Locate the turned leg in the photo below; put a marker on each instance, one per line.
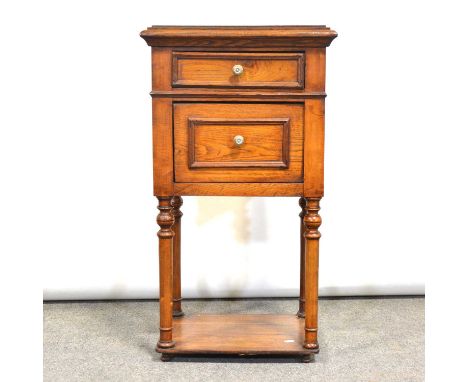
(312, 221)
(300, 312)
(177, 291)
(165, 220)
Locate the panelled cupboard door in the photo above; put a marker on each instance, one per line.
(238, 142)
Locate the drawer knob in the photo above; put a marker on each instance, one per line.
(238, 140)
(237, 70)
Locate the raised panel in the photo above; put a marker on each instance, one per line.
(211, 142)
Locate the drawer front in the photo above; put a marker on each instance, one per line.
(216, 142)
(238, 70)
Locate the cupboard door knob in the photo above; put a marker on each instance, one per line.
(237, 70)
(238, 140)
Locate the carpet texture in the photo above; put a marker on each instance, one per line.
(361, 339)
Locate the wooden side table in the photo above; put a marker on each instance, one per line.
(237, 111)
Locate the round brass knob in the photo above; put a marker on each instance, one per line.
(237, 70)
(238, 140)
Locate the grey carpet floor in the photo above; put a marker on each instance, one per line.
(361, 339)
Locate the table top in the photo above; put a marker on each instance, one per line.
(307, 35)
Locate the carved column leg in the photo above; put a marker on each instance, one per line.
(177, 290)
(165, 220)
(312, 221)
(300, 312)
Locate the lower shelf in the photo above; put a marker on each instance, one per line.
(248, 334)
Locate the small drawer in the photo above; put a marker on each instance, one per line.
(217, 142)
(238, 70)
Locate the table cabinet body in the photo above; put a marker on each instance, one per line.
(238, 111)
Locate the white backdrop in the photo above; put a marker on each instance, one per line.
(86, 123)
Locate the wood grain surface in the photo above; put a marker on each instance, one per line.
(239, 189)
(239, 36)
(259, 143)
(277, 104)
(247, 334)
(165, 220)
(211, 142)
(260, 70)
(176, 204)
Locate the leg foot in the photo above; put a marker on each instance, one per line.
(165, 344)
(166, 357)
(312, 346)
(178, 313)
(308, 358)
(300, 313)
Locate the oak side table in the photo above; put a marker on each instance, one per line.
(238, 111)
